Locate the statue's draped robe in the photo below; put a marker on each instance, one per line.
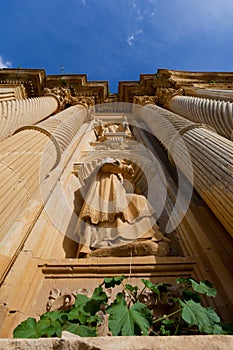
(112, 217)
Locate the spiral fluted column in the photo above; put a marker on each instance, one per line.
(208, 159)
(218, 114)
(17, 113)
(28, 156)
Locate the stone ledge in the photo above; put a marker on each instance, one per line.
(72, 342)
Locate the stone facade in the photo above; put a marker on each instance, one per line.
(174, 128)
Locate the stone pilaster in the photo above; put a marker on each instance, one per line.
(208, 159)
(12, 92)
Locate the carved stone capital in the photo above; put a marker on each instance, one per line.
(165, 94)
(144, 100)
(63, 96)
(87, 101)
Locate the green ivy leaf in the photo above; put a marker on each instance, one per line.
(182, 280)
(168, 322)
(204, 287)
(93, 319)
(227, 328)
(157, 288)
(82, 318)
(196, 315)
(56, 315)
(187, 295)
(164, 331)
(99, 295)
(78, 313)
(32, 329)
(131, 288)
(80, 301)
(44, 328)
(57, 319)
(123, 321)
(26, 329)
(82, 331)
(218, 329)
(93, 304)
(111, 282)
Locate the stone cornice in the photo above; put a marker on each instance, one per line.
(127, 90)
(79, 86)
(177, 79)
(33, 80)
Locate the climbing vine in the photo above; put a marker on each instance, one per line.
(157, 309)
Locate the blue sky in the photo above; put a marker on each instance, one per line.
(116, 39)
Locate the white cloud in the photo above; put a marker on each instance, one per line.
(142, 12)
(131, 38)
(4, 64)
(139, 15)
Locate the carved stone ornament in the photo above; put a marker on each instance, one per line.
(112, 135)
(144, 100)
(165, 94)
(87, 101)
(63, 96)
(63, 299)
(162, 304)
(66, 96)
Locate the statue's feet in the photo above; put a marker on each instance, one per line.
(137, 248)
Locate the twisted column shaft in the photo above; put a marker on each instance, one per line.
(17, 113)
(218, 114)
(211, 158)
(28, 156)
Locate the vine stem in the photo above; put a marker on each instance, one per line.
(162, 318)
(133, 299)
(177, 326)
(141, 292)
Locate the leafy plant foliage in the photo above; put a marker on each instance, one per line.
(135, 320)
(156, 309)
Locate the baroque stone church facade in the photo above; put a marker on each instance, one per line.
(137, 183)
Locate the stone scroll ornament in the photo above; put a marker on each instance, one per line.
(67, 97)
(113, 221)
